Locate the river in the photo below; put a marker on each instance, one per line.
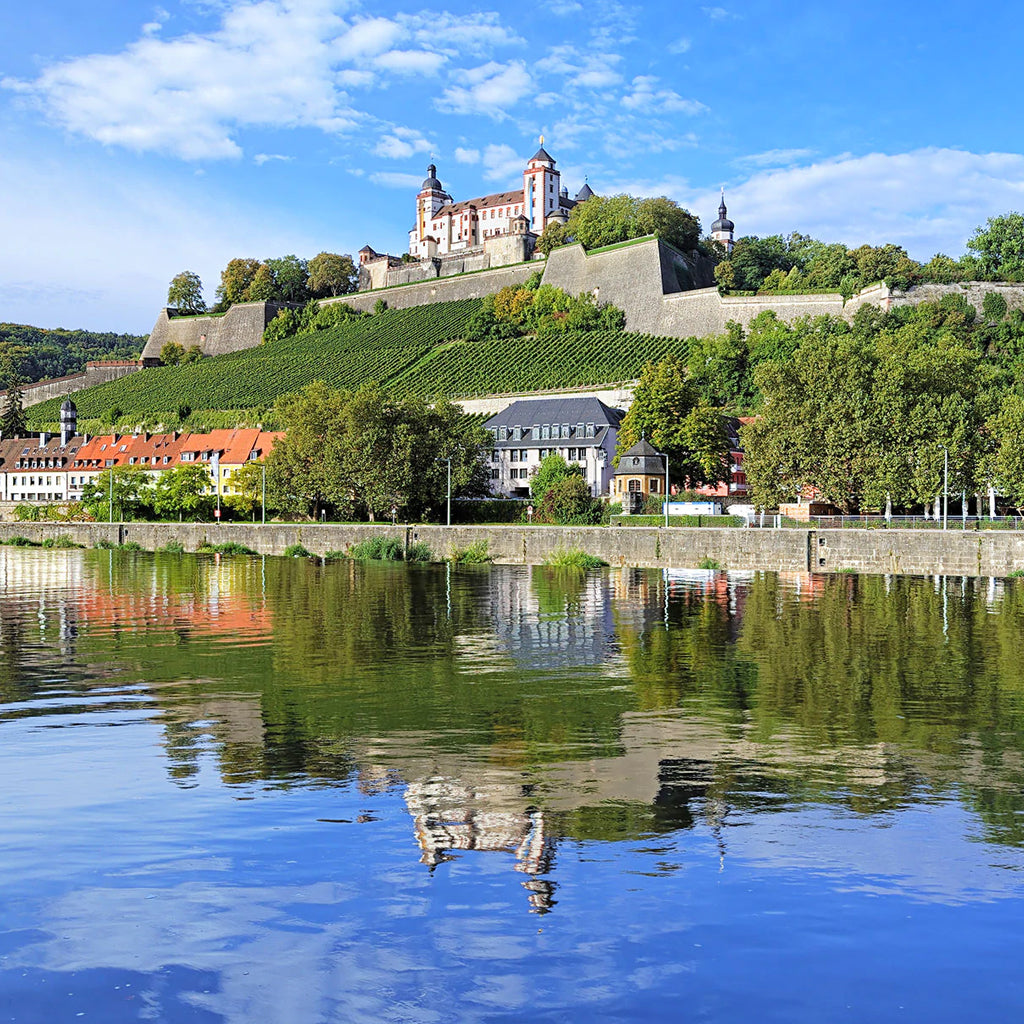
(243, 789)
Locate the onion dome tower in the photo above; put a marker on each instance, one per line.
(722, 229)
(68, 421)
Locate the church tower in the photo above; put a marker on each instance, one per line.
(68, 421)
(429, 200)
(541, 189)
(722, 229)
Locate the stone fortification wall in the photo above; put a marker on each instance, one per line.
(908, 552)
(95, 373)
(468, 286)
(973, 291)
(239, 328)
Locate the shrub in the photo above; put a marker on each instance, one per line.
(419, 552)
(574, 558)
(64, 541)
(231, 548)
(709, 563)
(379, 306)
(21, 542)
(173, 547)
(474, 554)
(105, 545)
(334, 556)
(131, 545)
(27, 513)
(993, 306)
(377, 549)
(297, 551)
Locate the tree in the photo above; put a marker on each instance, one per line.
(13, 422)
(235, 280)
(605, 220)
(171, 353)
(668, 411)
(132, 492)
(290, 275)
(331, 274)
(1008, 462)
(997, 250)
(247, 489)
(263, 287)
(552, 469)
(182, 493)
(193, 354)
(185, 293)
(553, 235)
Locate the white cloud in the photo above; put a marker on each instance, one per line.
(561, 8)
(680, 46)
(597, 78)
(263, 158)
(501, 163)
(467, 156)
(410, 62)
(719, 14)
(396, 179)
(267, 63)
(491, 89)
(648, 98)
(401, 144)
(774, 158)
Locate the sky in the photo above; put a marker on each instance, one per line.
(142, 139)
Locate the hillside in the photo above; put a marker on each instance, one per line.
(56, 353)
(422, 349)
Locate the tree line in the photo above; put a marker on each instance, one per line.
(281, 279)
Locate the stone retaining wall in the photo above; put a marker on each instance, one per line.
(908, 552)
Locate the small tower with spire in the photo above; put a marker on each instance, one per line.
(722, 229)
(68, 422)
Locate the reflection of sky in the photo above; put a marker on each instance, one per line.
(135, 895)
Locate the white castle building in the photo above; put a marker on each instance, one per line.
(443, 226)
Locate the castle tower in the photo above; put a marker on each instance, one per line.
(68, 421)
(542, 186)
(722, 229)
(429, 200)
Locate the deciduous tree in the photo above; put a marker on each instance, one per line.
(185, 293)
(331, 274)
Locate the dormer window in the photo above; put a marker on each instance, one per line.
(590, 430)
(502, 433)
(545, 431)
(517, 433)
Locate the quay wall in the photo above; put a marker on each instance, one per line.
(907, 552)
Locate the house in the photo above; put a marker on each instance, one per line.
(582, 430)
(641, 472)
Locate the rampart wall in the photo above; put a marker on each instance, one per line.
(99, 372)
(239, 328)
(906, 552)
(973, 291)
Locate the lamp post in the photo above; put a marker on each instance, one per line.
(263, 497)
(110, 492)
(664, 455)
(945, 483)
(449, 461)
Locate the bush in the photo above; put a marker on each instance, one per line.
(206, 548)
(231, 548)
(379, 306)
(63, 541)
(21, 542)
(131, 545)
(105, 545)
(334, 556)
(173, 547)
(377, 549)
(297, 551)
(574, 558)
(474, 554)
(484, 510)
(419, 552)
(709, 563)
(27, 513)
(994, 306)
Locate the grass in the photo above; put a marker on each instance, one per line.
(21, 542)
(297, 551)
(377, 549)
(63, 541)
(1016, 574)
(709, 563)
(474, 554)
(231, 548)
(419, 552)
(173, 547)
(574, 558)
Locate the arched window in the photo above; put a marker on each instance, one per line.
(634, 486)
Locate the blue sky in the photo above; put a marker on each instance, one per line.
(142, 139)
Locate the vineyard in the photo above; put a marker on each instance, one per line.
(421, 349)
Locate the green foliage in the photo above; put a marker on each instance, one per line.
(993, 306)
(561, 494)
(171, 353)
(419, 552)
(335, 556)
(235, 280)
(173, 547)
(192, 354)
(232, 548)
(21, 542)
(379, 306)
(359, 454)
(473, 554)
(28, 513)
(130, 488)
(297, 551)
(709, 563)
(543, 310)
(668, 410)
(553, 235)
(181, 493)
(40, 354)
(574, 558)
(12, 422)
(378, 549)
(553, 469)
(284, 325)
(331, 274)
(61, 541)
(996, 251)
(130, 545)
(605, 220)
(185, 293)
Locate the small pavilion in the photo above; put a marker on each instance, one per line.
(641, 471)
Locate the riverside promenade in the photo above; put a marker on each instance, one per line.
(903, 551)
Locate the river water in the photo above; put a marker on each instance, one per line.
(261, 790)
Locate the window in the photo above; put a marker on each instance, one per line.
(579, 429)
(517, 433)
(572, 454)
(108, 462)
(514, 455)
(495, 474)
(131, 461)
(654, 486)
(502, 433)
(565, 430)
(590, 430)
(495, 456)
(545, 431)
(634, 486)
(524, 455)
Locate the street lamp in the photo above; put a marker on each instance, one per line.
(945, 483)
(449, 461)
(664, 455)
(263, 498)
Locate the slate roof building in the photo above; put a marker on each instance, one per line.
(641, 472)
(582, 430)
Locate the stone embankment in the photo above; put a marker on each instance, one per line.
(909, 552)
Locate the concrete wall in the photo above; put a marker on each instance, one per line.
(973, 291)
(240, 327)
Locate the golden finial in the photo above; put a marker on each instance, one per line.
(542, 140)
